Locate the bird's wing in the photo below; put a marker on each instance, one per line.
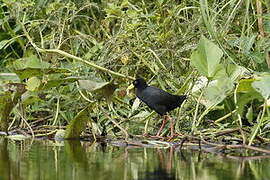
(158, 96)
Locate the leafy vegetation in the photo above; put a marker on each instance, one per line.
(72, 55)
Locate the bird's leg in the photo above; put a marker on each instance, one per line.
(165, 119)
(172, 126)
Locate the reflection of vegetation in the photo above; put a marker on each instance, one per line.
(45, 160)
(5, 167)
(69, 54)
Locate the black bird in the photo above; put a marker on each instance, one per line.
(160, 101)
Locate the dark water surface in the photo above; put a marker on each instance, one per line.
(75, 160)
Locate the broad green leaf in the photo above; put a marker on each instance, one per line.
(217, 92)
(30, 72)
(78, 124)
(30, 97)
(263, 86)
(101, 89)
(142, 114)
(245, 86)
(206, 58)
(30, 62)
(58, 82)
(33, 84)
(92, 85)
(245, 94)
(236, 71)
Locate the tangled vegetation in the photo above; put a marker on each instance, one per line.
(72, 63)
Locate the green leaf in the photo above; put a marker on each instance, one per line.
(257, 57)
(78, 124)
(30, 72)
(235, 71)
(206, 58)
(33, 84)
(245, 86)
(92, 85)
(30, 97)
(101, 89)
(30, 62)
(217, 92)
(58, 82)
(263, 86)
(244, 98)
(249, 115)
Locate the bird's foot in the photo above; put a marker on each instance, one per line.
(172, 136)
(157, 137)
(145, 134)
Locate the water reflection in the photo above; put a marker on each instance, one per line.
(76, 160)
(164, 170)
(4, 160)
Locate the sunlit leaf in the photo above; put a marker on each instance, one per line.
(206, 58)
(236, 71)
(263, 86)
(92, 85)
(135, 105)
(33, 84)
(142, 114)
(245, 86)
(217, 92)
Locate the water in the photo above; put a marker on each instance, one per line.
(74, 160)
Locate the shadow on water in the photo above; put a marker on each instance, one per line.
(82, 160)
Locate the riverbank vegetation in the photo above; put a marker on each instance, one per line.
(72, 63)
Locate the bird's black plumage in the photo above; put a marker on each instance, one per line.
(157, 99)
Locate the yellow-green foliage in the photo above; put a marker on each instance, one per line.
(78, 124)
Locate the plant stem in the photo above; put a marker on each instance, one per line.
(63, 53)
